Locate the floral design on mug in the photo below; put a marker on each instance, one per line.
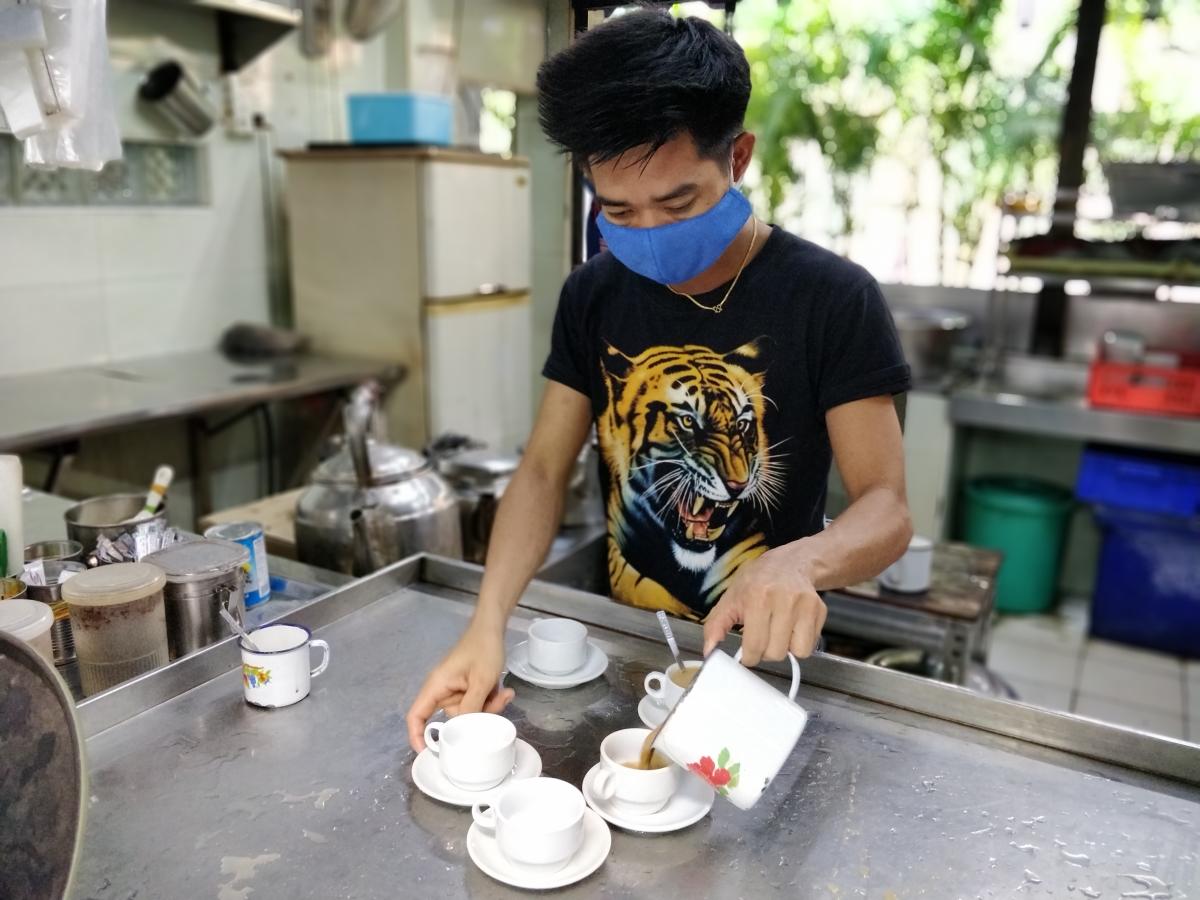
(719, 774)
(255, 676)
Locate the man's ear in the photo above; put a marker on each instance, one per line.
(746, 353)
(743, 151)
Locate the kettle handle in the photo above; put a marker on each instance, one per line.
(737, 657)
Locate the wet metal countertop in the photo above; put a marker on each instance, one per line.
(901, 787)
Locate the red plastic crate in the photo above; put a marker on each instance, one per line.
(1145, 388)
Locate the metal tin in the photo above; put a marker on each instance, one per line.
(110, 516)
(202, 576)
(250, 536)
(61, 638)
(54, 550)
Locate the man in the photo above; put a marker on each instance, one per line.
(722, 360)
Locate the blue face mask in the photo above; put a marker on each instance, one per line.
(678, 251)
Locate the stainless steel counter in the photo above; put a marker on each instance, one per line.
(1068, 416)
(900, 787)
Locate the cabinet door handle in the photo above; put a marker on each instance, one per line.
(488, 290)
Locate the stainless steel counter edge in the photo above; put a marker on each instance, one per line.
(1099, 741)
(1071, 419)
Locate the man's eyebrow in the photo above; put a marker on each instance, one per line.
(678, 192)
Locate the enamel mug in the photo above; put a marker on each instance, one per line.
(733, 729)
(278, 673)
(910, 574)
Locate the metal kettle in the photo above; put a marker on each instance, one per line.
(373, 503)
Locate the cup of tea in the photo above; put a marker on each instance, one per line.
(557, 646)
(665, 688)
(476, 751)
(538, 822)
(733, 729)
(277, 673)
(634, 778)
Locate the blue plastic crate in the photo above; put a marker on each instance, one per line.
(1139, 481)
(400, 118)
(1148, 582)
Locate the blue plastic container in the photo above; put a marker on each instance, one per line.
(1148, 582)
(1132, 480)
(400, 118)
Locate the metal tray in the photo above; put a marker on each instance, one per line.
(901, 787)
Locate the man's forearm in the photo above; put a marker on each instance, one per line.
(525, 526)
(869, 536)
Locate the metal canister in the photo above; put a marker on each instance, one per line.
(50, 593)
(250, 536)
(202, 576)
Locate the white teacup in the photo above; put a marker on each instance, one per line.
(557, 646)
(640, 792)
(476, 751)
(663, 689)
(278, 673)
(910, 574)
(538, 822)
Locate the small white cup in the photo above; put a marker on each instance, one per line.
(538, 822)
(639, 792)
(476, 751)
(910, 574)
(662, 690)
(279, 675)
(557, 646)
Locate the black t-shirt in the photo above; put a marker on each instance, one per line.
(712, 426)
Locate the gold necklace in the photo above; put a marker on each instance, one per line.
(732, 284)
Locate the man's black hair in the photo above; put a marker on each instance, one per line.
(639, 80)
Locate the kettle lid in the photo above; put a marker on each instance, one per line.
(479, 467)
(388, 463)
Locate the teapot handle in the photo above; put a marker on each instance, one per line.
(737, 657)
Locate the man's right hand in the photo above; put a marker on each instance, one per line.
(467, 680)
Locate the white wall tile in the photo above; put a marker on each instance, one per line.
(1044, 663)
(53, 326)
(1133, 657)
(1143, 718)
(1037, 693)
(49, 245)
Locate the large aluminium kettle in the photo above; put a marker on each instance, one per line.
(373, 503)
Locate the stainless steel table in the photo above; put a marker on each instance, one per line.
(901, 787)
(1069, 417)
(52, 409)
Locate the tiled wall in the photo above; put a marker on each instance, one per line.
(86, 284)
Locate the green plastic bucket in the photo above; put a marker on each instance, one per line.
(1026, 520)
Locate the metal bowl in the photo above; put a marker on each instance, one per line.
(12, 588)
(58, 551)
(109, 516)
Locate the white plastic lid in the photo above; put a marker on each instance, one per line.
(26, 619)
(110, 585)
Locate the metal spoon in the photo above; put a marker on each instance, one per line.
(237, 626)
(670, 636)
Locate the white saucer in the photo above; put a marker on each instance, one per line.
(597, 841)
(594, 667)
(429, 779)
(689, 805)
(651, 712)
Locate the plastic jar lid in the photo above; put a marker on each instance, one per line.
(199, 560)
(115, 584)
(26, 619)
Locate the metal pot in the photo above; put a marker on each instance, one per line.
(109, 516)
(480, 478)
(202, 577)
(403, 507)
(54, 550)
(928, 336)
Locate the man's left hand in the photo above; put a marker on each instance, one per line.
(776, 605)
